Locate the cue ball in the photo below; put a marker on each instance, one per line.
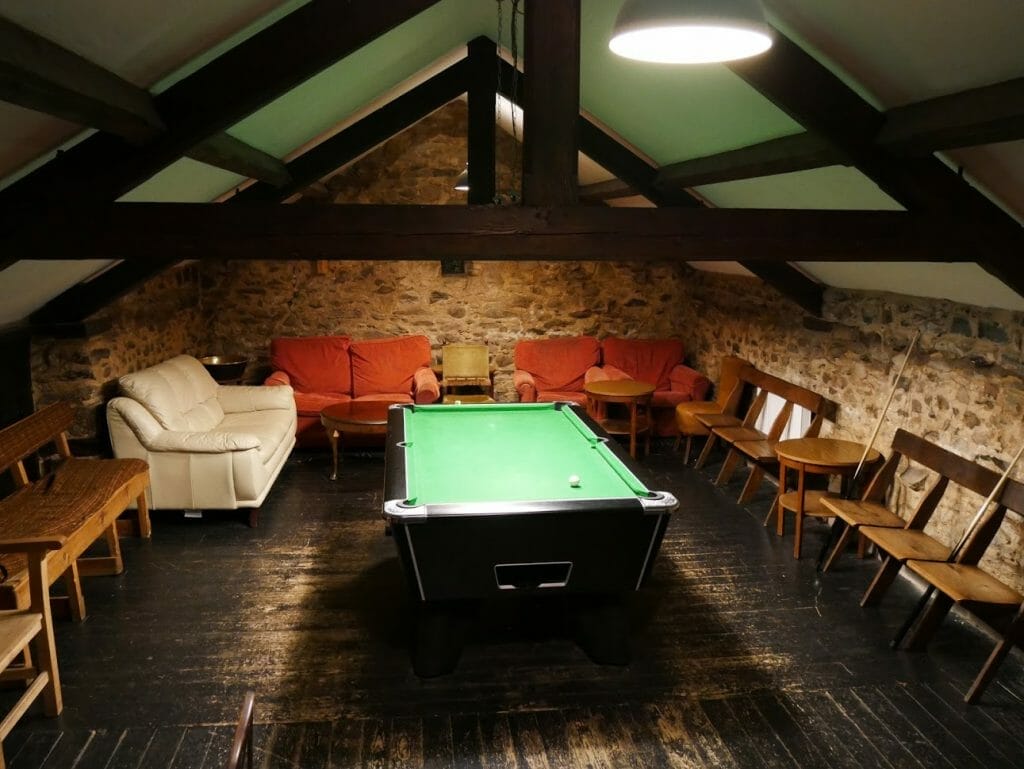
(574, 481)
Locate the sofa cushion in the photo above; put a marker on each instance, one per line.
(179, 393)
(386, 397)
(558, 364)
(387, 365)
(649, 360)
(315, 364)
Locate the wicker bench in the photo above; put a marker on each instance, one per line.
(79, 500)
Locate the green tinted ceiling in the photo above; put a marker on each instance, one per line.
(833, 187)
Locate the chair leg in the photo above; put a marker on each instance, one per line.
(686, 452)
(883, 578)
(728, 467)
(702, 459)
(751, 486)
(840, 545)
(928, 623)
(995, 659)
(142, 516)
(73, 585)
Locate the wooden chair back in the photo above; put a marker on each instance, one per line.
(32, 433)
(465, 364)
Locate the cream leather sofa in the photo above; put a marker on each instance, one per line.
(208, 445)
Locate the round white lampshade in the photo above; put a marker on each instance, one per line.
(690, 31)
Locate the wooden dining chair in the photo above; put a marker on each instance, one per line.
(466, 374)
(27, 649)
(240, 756)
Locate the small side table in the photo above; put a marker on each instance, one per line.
(817, 456)
(357, 417)
(635, 395)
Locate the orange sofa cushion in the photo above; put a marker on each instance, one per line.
(559, 363)
(387, 365)
(648, 360)
(315, 364)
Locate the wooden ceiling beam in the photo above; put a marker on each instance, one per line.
(986, 115)
(142, 232)
(231, 154)
(551, 106)
(40, 75)
(807, 91)
(365, 134)
(798, 152)
(207, 102)
(608, 190)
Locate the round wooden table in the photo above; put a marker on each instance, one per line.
(635, 395)
(817, 456)
(357, 417)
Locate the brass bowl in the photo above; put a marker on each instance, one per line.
(225, 368)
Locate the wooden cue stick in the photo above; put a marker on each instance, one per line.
(996, 490)
(885, 408)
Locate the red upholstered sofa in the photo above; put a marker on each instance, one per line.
(329, 369)
(555, 369)
(659, 361)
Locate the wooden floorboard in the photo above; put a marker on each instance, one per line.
(742, 656)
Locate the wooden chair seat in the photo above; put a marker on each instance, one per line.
(966, 583)
(903, 544)
(857, 512)
(712, 421)
(735, 434)
(16, 630)
(759, 450)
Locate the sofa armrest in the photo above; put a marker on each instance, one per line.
(211, 442)
(525, 385)
(240, 398)
(687, 380)
(425, 385)
(278, 378)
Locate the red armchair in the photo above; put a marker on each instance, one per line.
(554, 369)
(331, 369)
(658, 361)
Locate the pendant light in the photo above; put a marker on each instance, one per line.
(690, 31)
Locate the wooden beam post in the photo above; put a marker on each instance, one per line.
(482, 90)
(552, 103)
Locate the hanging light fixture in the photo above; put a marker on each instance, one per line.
(462, 182)
(690, 31)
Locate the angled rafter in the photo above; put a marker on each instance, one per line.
(986, 115)
(231, 154)
(797, 152)
(365, 134)
(608, 190)
(824, 105)
(140, 232)
(311, 38)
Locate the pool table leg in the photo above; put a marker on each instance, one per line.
(439, 637)
(602, 629)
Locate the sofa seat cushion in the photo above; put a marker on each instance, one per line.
(179, 393)
(559, 364)
(648, 360)
(314, 364)
(550, 396)
(387, 365)
(386, 397)
(311, 404)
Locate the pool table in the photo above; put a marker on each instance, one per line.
(492, 500)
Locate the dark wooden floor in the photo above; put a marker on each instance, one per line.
(743, 657)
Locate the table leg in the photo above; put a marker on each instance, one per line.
(780, 515)
(798, 537)
(632, 429)
(333, 437)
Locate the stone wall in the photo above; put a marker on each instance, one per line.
(153, 323)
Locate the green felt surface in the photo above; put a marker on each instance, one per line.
(508, 452)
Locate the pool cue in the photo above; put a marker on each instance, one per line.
(833, 535)
(996, 490)
(885, 408)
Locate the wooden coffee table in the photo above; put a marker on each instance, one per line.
(635, 395)
(355, 417)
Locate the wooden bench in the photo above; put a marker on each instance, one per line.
(79, 500)
(746, 442)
